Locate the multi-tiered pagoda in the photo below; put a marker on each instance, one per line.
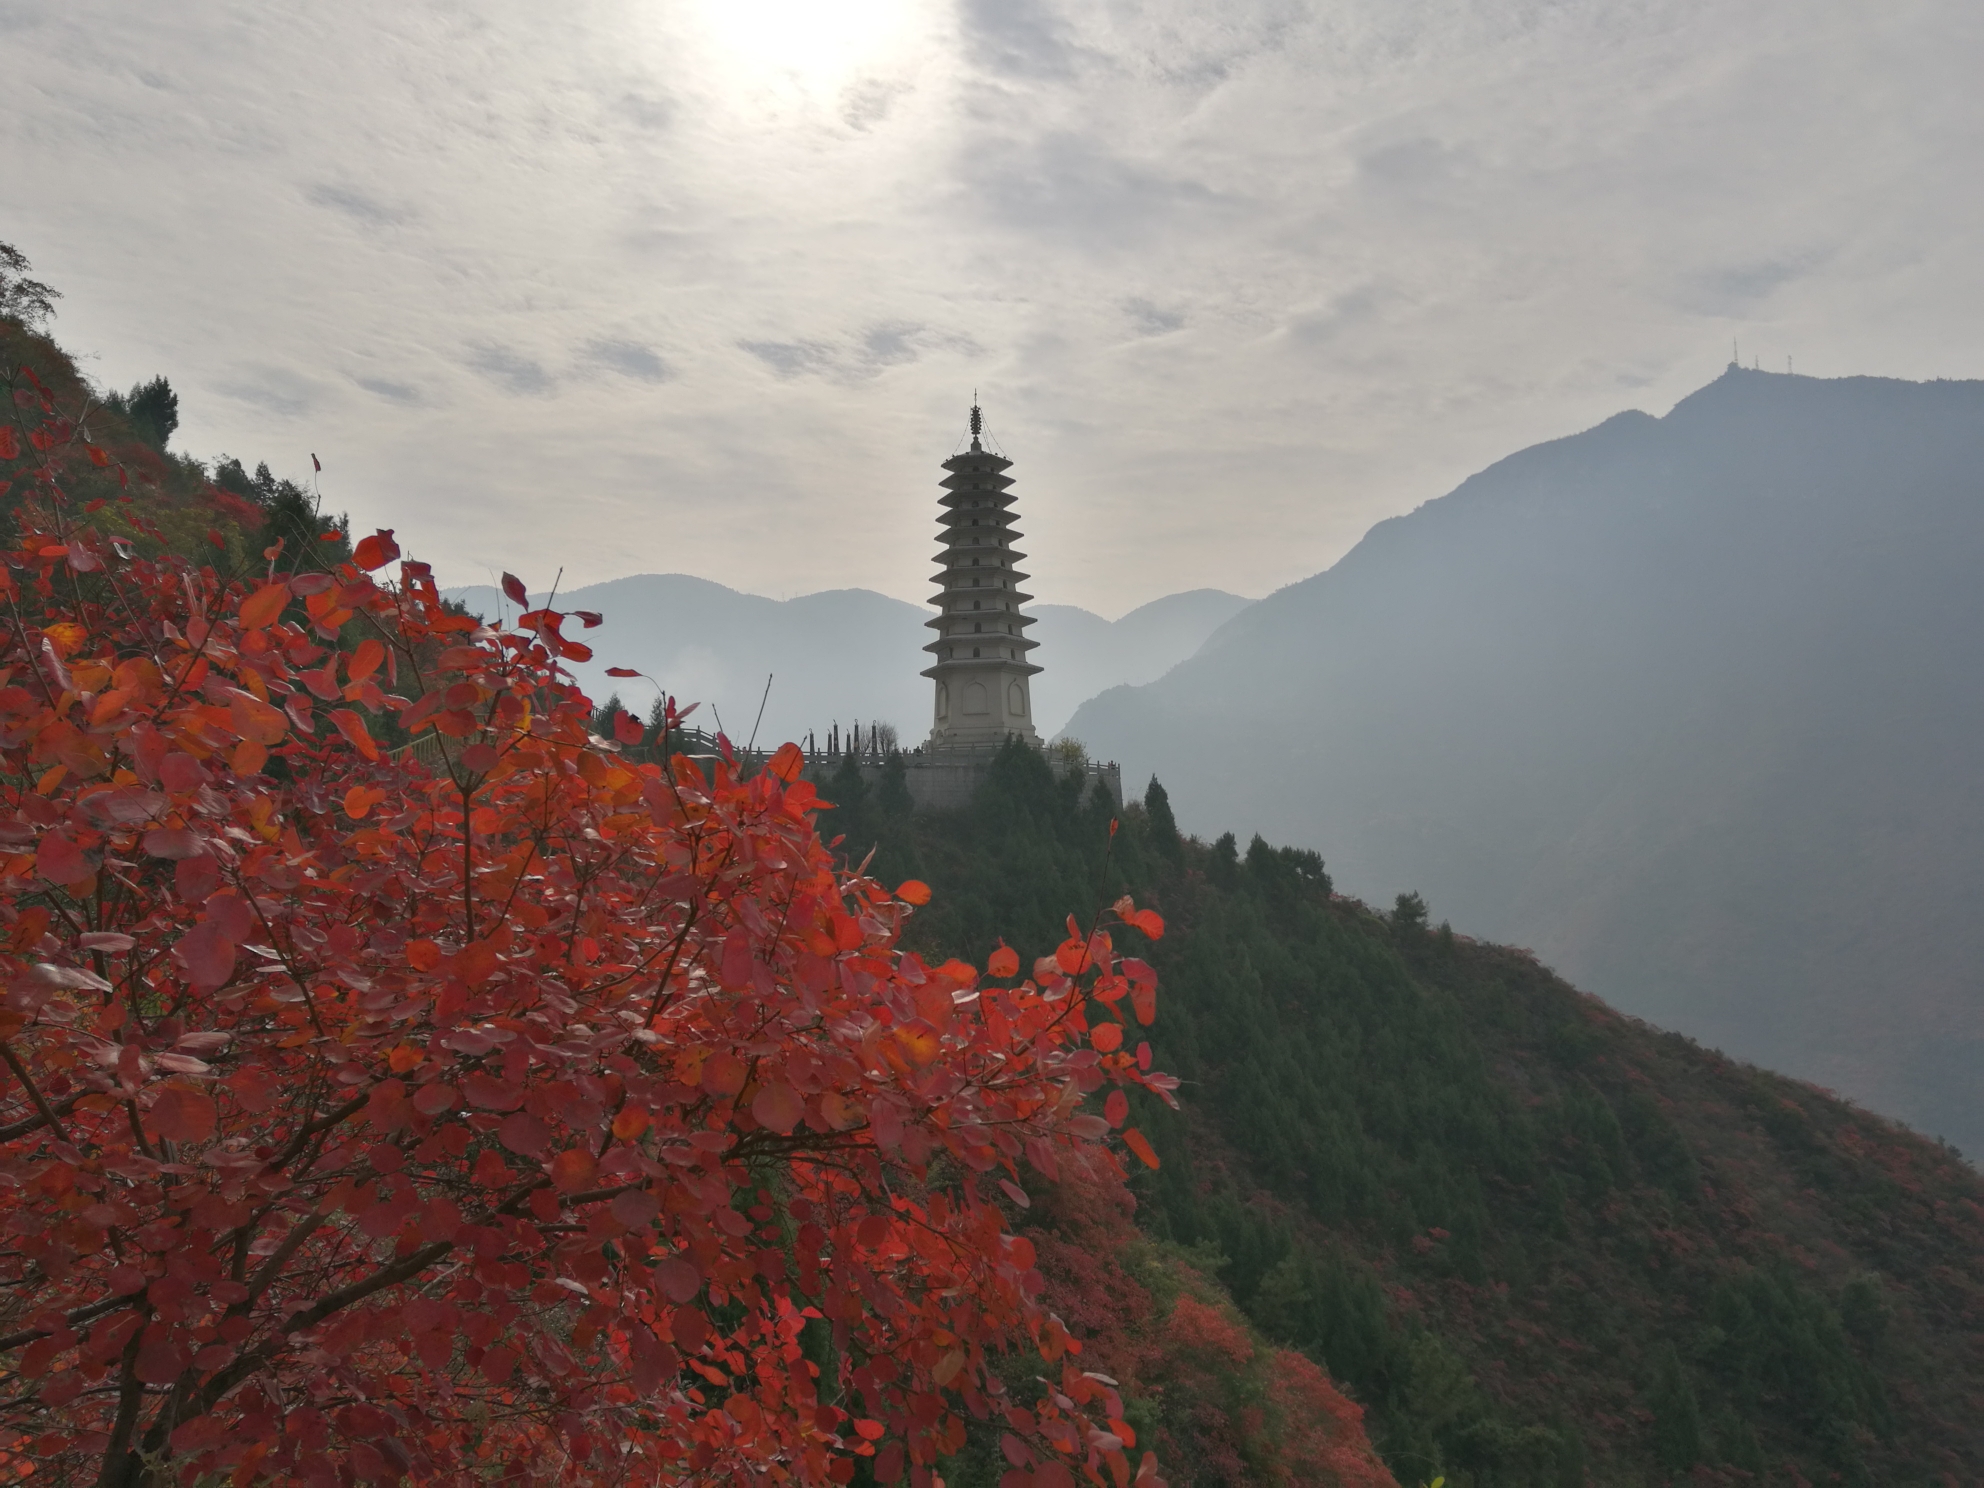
(982, 675)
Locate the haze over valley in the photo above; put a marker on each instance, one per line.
(844, 655)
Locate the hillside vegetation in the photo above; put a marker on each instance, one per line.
(119, 473)
(1541, 1242)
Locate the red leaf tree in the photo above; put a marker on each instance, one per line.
(509, 1111)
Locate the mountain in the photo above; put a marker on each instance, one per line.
(846, 654)
(1085, 654)
(1539, 1243)
(1690, 705)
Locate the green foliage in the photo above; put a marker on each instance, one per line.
(1514, 1224)
(152, 411)
(605, 713)
(1677, 1416)
(289, 516)
(1163, 825)
(22, 299)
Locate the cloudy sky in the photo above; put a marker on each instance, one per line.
(706, 285)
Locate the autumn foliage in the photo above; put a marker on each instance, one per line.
(1220, 1403)
(526, 1114)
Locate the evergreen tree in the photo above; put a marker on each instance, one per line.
(602, 718)
(1677, 1416)
(1163, 825)
(1225, 867)
(151, 409)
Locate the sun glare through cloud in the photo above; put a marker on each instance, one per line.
(814, 49)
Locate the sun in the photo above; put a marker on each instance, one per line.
(816, 45)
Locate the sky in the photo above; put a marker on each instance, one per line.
(707, 286)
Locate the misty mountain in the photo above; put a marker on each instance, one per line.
(1693, 706)
(845, 654)
(1085, 654)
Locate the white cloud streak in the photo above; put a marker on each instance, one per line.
(706, 287)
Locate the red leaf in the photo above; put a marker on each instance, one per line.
(490, 1170)
(678, 1279)
(868, 1430)
(723, 1074)
(777, 1106)
(255, 720)
(1150, 922)
(1139, 1144)
(1107, 1037)
(353, 728)
(264, 606)
(183, 1114)
(160, 1361)
(913, 891)
(589, 618)
(376, 551)
(734, 968)
(1004, 962)
(365, 660)
(491, 1093)
(359, 800)
(497, 1364)
(10, 448)
(514, 588)
(635, 1208)
(622, 672)
(788, 762)
(1116, 1109)
(207, 954)
(627, 728)
(60, 861)
(524, 1134)
(573, 1169)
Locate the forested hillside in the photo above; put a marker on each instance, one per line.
(1540, 1242)
(133, 485)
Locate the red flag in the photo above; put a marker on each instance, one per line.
(315, 463)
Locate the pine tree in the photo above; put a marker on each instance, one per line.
(1163, 825)
(1677, 1416)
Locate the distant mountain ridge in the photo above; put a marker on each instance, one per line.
(843, 655)
(1691, 705)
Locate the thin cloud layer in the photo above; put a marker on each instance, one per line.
(622, 287)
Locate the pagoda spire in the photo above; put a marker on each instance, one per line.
(981, 673)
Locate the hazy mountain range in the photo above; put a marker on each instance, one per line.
(1693, 706)
(846, 654)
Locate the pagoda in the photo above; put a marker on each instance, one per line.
(982, 675)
